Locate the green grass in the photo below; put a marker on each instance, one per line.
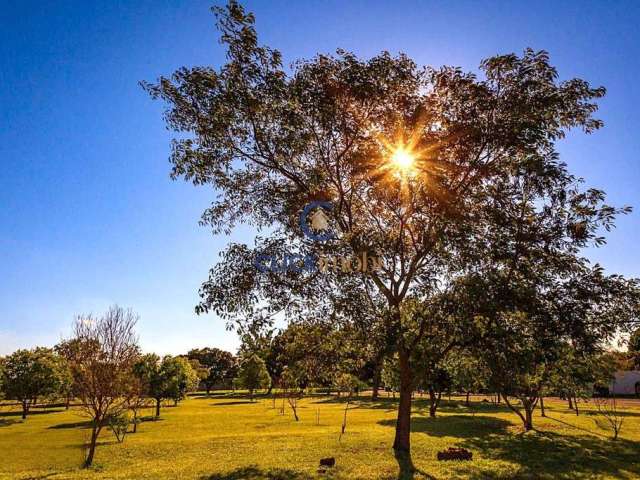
(226, 437)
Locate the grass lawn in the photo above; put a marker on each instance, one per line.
(226, 437)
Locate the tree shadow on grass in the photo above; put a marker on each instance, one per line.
(61, 426)
(474, 407)
(240, 402)
(254, 473)
(7, 423)
(536, 454)
(461, 426)
(621, 413)
(228, 395)
(548, 455)
(381, 403)
(18, 413)
(420, 404)
(590, 432)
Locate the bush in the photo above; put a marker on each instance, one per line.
(119, 425)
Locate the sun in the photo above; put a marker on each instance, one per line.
(403, 159)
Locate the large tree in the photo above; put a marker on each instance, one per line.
(340, 129)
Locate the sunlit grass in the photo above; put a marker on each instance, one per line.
(228, 437)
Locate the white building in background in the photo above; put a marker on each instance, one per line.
(626, 383)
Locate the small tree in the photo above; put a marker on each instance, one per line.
(290, 385)
(610, 416)
(107, 349)
(178, 378)
(391, 374)
(253, 374)
(136, 400)
(29, 374)
(148, 373)
(346, 382)
(436, 381)
(119, 425)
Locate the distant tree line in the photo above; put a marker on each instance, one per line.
(101, 370)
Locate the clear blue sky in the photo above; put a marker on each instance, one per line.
(88, 215)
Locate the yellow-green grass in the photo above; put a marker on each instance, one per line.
(226, 437)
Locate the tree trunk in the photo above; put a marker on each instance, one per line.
(434, 399)
(135, 421)
(575, 402)
(467, 402)
(25, 409)
(570, 402)
(542, 410)
(528, 411)
(95, 432)
(376, 383)
(208, 387)
(402, 441)
(527, 419)
(157, 407)
(529, 405)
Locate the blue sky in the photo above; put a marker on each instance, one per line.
(88, 215)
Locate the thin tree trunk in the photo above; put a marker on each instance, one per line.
(542, 410)
(25, 409)
(467, 402)
(402, 441)
(376, 383)
(570, 402)
(95, 432)
(525, 420)
(344, 420)
(157, 407)
(575, 402)
(434, 399)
